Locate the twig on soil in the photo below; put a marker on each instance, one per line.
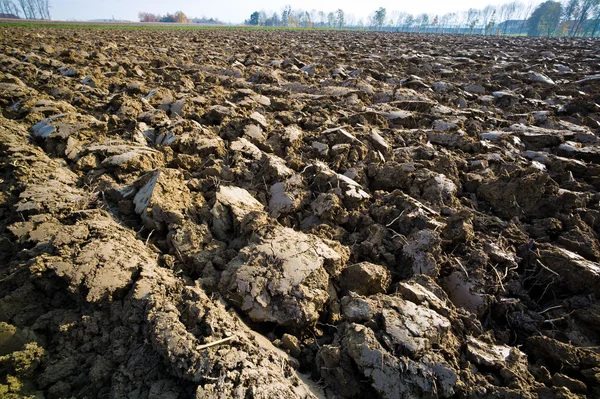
(400, 236)
(550, 308)
(392, 222)
(11, 275)
(219, 342)
(547, 268)
(551, 321)
(499, 278)
(420, 204)
(327, 325)
(148, 238)
(509, 269)
(546, 289)
(462, 267)
(315, 337)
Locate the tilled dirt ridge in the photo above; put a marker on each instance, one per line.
(298, 214)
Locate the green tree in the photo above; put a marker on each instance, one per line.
(254, 18)
(379, 18)
(339, 18)
(545, 19)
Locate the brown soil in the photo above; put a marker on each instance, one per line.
(260, 214)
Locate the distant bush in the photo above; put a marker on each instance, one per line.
(179, 17)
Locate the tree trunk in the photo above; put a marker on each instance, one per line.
(596, 23)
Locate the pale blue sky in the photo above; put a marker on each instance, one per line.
(237, 10)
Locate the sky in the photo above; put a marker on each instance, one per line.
(236, 11)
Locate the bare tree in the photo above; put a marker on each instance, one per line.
(262, 17)
(580, 17)
(587, 6)
(596, 24)
(507, 12)
(350, 20)
(453, 22)
(525, 13)
(295, 18)
(487, 14)
(472, 19)
(8, 7)
(322, 18)
(422, 22)
(409, 22)
(24, 4)
(308, 18)
(286, 14)
(444, 21)
(570, 16)
(32, 9)
(43, 8)
(400, 18)
(331, 20)
(314, 16)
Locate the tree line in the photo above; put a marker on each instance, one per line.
(569, 18)
(551, 18)
(178, 17)
(30, 9)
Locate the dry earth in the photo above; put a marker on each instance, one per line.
(269, 214)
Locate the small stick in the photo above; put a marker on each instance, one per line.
(149, 235)
(221, 341)
(547, 268)
(499, 278)
(420, 204)
(11, 275)
(396, 234)
(551, 321)
(550, 308)
(392, 222)
(462, 267)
